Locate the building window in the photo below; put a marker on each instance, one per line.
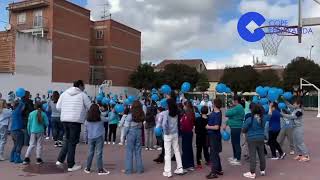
(21, 18)
(38, 20)
(99, 34)
(99, 55)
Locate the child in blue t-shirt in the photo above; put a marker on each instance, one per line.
(214, 125)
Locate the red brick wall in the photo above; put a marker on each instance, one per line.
(7, 52)
(70, 42)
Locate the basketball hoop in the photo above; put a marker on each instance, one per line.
(274, 35)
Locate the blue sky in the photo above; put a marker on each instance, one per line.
(202, 29)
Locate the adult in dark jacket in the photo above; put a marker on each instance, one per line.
(28, 108)
(150, 123)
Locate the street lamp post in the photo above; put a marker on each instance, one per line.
(311, 52)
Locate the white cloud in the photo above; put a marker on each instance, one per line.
(172, 27)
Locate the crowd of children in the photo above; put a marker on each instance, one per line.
(166, 123)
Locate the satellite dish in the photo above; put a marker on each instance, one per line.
(8, 27)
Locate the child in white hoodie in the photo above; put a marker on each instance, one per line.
(5, 115)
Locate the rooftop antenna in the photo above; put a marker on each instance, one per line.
(106, 9)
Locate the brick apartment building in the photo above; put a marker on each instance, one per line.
(81, 49)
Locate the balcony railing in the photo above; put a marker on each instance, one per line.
(27, 4)
(38, 23)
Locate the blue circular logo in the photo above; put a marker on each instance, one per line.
(251, 19)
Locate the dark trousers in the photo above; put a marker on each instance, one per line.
(161, 143)
(215, 149)
(18, 141)
(256, 147)
(106, 128)
(57, 129)
(235, 140)
(273, 143)
(26, 137)
(187, 150)
(72, 136)
(142, 136)
(202, 145)
(113, 132)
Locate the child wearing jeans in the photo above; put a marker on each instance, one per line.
(17, 132)
(123, 126)
(37, 122)
(113, 125)
(95, 131)
(5, 115)
(296, 117)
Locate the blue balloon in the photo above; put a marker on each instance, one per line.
(221, 88)
(158, 131)
(165, 89)
(20, 92)
(155, 97)
(264, 101)
(280, 91)
(105, 101)
(228, 90)
(186, 86)
(267, 88)
(115, 97)
(287, 95)
(131, 99)
(99, 98)
(50, 91)
(255, 99)
(262, 92)
(127, 102)
(266, 108)
(119, 108)
(273, 95)
(45, 106)
(225, 135)
(112, 102)
(282, 105)
(163, 103)
(197, 114)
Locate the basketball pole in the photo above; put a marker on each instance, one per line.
(312, 85)
(300, 21)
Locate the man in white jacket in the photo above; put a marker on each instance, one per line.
(73, 104)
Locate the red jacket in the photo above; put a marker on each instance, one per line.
(187, 122)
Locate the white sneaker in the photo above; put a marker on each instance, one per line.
(47, 138)
(58, 163)
(74, 168)
(109, 142)
(147, 149)
(113, 143)
(87, 171)
(291, 153)
(275, 158)
(249, 175)
(2, 158)
(105, 143)
(167, 174)
(159, 149)
(103, 172)
(262, 173)
(235, 163)
(120, 144)
(231, 159)
(179, 171)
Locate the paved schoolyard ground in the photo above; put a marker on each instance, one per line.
(287, 169)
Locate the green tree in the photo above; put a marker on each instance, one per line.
(145, 77)
(175, 74)
(240, 79)
(203, 82)
(301, 67)
(269, 78)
